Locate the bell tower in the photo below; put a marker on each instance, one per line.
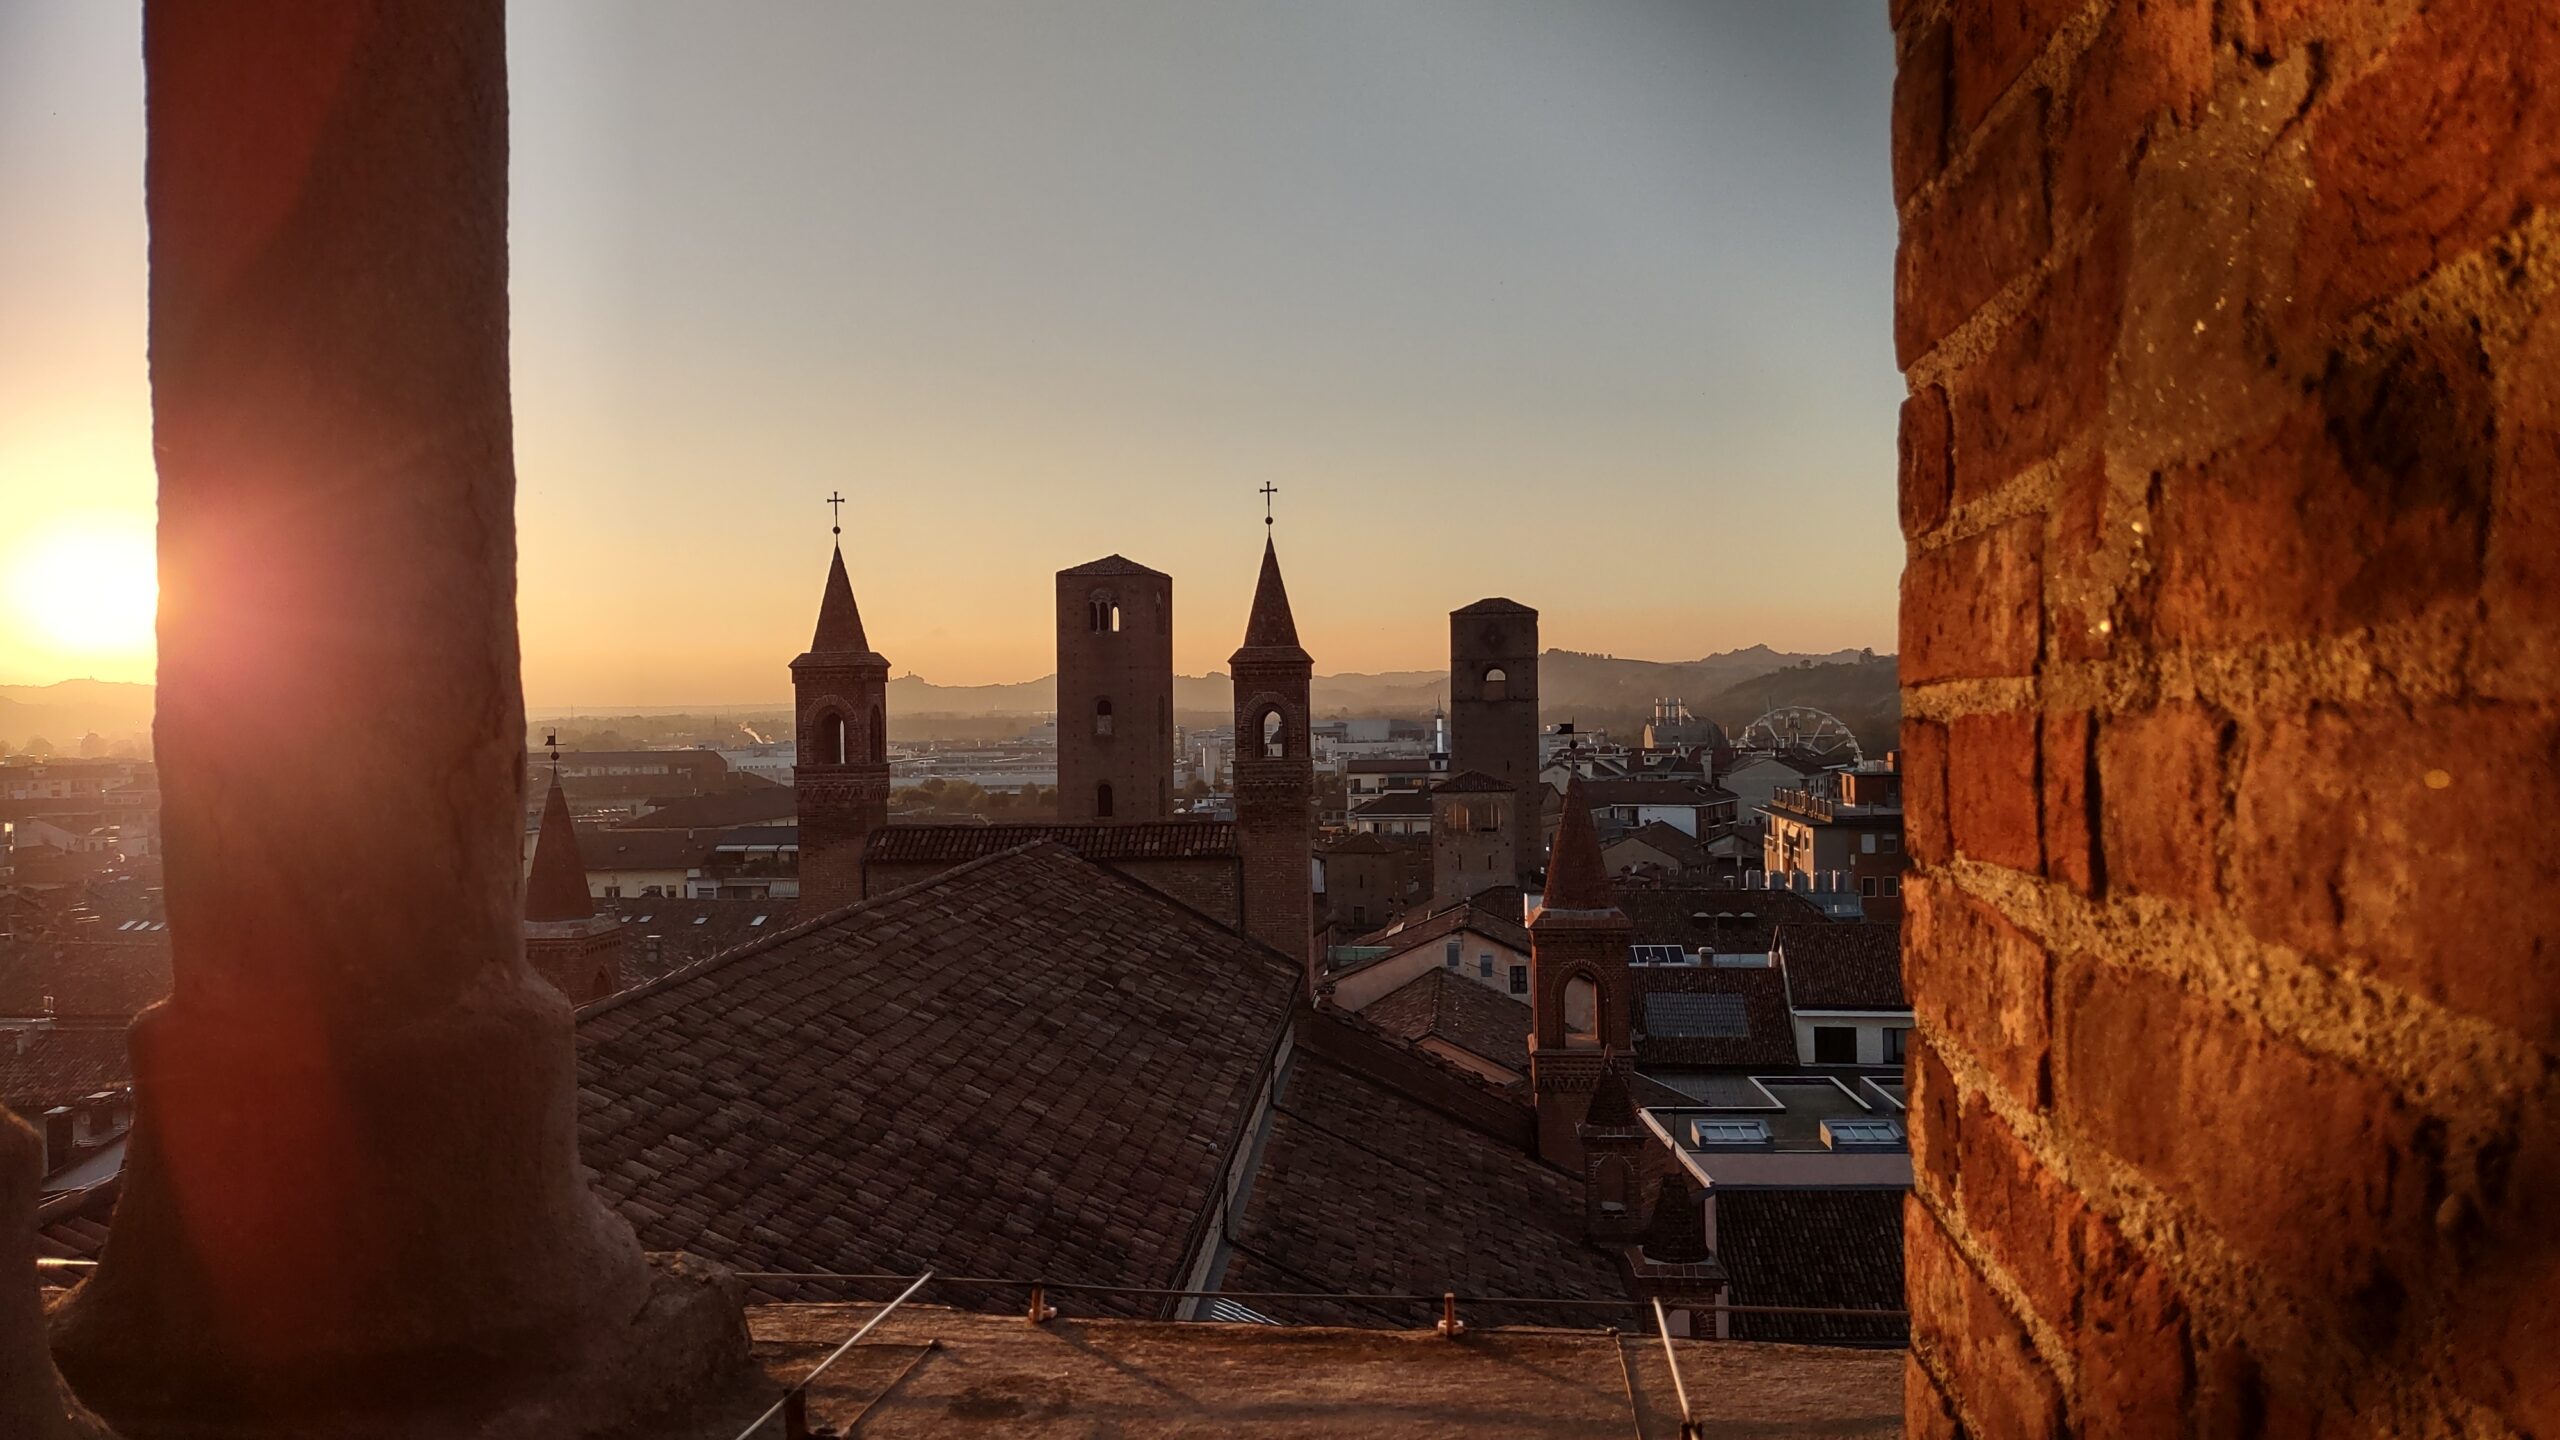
(1579, 988)
(1493, 713)
(840, 776)
(1275, 771)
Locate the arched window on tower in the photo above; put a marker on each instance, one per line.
(834, 746)
(1102, 716)
(1581, 1013)
(1275, 738)
(879, 737)
(1497, 685)
(1102, 801)
(1115, 619)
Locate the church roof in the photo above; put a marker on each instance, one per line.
(1271, 627)
(1494, 605)
(1112, 565)
(1027, 1065)
(1577, 879)
(557, 889)
(1472, 782)
(1102, 840)
(839, 619)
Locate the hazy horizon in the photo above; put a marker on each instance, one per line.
(1496, 294)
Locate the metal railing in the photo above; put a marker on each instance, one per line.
(793, 1407)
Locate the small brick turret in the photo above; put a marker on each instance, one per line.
(841, 775)
(1676, 1264)
(1578, 984)
(1275, 772)
(565, 940)
(1612, 1153)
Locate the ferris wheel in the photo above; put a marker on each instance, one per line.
(1803, 728)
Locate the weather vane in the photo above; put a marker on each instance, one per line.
(1268, 490)
(552, 739)
(835, 503)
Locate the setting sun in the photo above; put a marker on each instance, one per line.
(86, 586)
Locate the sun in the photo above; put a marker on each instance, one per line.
(86, 585)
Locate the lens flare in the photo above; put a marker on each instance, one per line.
(87, 585)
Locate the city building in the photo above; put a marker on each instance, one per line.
(1841, 835)
(1493, 714)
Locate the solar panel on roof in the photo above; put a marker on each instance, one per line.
(1702, 1017)
(1658, 954)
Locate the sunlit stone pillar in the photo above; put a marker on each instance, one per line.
(354, 1203)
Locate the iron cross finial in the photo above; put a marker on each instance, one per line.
(1268, 490)
(835, 503)
(553, 740)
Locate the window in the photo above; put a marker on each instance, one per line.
(1867, 886)
(1097, 612)
(1102, 801)
(1893, 884)
(1896, 1043)
(612, 891)
(1497, 685)
(1867, 842)
(1274, 743)
(833, 748)
(1891, 843)
(1519, 979)
(1115, 619)
(1484, 966)
(1102, 717)
(1360, 915)
(1835, 1045)
(1449, 957)
(1581, 1012)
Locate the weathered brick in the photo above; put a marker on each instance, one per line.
(2443, 144)
(2160, 777)
(1974, 236)
(1994, 44)
(2130, 1344)
(2019, 1211)
(2429, 863)
(2066, 764)
(1923, 80)
(1991, 789)
(2045, 380)
(2368, 506)
(2521, 590)
(1926, 1415)
(2002, 1385)
(2314, 1169)
(1983, 982)
(1927, 460)
(2079, 594)
(1924, 792)
(2152, 60)
(1935, 1117)
(1975, 609)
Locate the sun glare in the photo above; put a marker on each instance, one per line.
(86, 585)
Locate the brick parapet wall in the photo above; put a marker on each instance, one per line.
(2231, 479)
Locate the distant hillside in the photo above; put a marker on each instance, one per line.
(1865, 693)
(61, 713)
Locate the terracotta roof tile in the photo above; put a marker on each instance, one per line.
(1476, 1018)
(1105, 841)
(1843, 967)
(1821, 1248)
(1576, 880)
(1471, 782)
(557, 889)
(1025, 1065)
(1752, 1026)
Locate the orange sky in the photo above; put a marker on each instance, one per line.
(1502, 300)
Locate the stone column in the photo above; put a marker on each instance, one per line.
(353, 1202)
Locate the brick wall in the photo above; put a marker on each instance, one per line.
(2228, 473)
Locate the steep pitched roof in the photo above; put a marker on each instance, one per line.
(1026, 1065)
(1843, 967)
(1711, 1015)
(1576, 878)
(1365, 1190)
(1676, 1234)
(557, 889)
(663, 935)
(839, 619)
(1457, 1011)
(1271, 631)
(1610, 1108)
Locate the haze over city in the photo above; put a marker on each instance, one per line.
(1502, 298)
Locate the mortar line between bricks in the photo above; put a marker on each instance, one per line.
(2361, 1020)
(2052, 1347)
(2030, 491)
(2050, 69)
(2196, 1257)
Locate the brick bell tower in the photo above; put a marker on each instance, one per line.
(1275, 772)
(1493, 712)
(1578, 984)
(565, 940)
(840, 777)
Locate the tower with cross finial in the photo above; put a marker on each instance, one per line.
(1275, 768)
(840, 776)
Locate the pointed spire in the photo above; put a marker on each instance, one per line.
(1611, 1107)
(558, 889)
(839, 619)
(1577, 878)
(1677, 1233)
(1271, 623)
